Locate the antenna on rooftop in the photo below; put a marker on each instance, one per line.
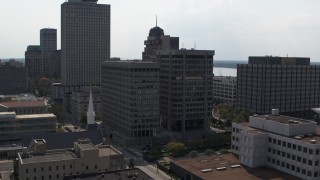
(156, 20)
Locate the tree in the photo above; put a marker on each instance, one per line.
(193, 153)
(58, 110)
(97, 117)
(176, 148)
(208, 152)
(83, 118)
(131, 163)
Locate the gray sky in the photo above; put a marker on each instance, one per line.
(236, 29)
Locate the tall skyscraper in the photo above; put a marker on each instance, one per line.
(130, 100)
(289, 84)
(33, 60)
(185, 89)
(157, 41)
(85, 41)
(48, 44)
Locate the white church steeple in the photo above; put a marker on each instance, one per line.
(90, 114)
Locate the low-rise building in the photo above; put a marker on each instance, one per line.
(225, 166)
(24, 107)
(13, 126)
(284, 143)
(225, 90)
(36, 162)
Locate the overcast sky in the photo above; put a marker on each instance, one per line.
(236, 29)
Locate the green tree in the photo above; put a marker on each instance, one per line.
(59, 111)
(97, 117)
(83, 118)
(176, 148)
(208, 152)
(193, 153)
(131, 163)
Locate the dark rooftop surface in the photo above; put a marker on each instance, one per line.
(195, 165)
(63, 140)
(126, 174)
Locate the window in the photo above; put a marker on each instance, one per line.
(34, 170)
(293, 157)
(315, 174)
(284, 144)
(87, 167)
(310, 163)
(304, 160)
(294, 146)
(70, 166)
(288, 155)
(63, 167)
(305, 150)
(95, 167)
(57, 167)
(317, 152)
(27, 170)
(49, 168)
(299, 159)
(299, 148)
(42, 169)
(289, 145)
(57, 176)
(310, 151)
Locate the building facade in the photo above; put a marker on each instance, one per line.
(33, 59)
(185, 89)
(85, 41)
(80, 100)
(36, 162)
(157, 41)
(48, 44)
(13, 127)
(130, 100)
(284, 143)
(225, 90)
(13, 80)
(289, 84)
(55, 64)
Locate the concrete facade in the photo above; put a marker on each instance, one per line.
(13, 127)
(225, 90)
(284, 143)
(48, 44)
(80, 100)
(130, 100)
(24, 107)
(158, 41)
(85, 42)
(85, 158)
(289, 84)
(185, 89)
(33, 59)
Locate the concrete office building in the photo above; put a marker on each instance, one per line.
(36, 162)
(290, 84)
(130, 100)
(185, 89)
(225, 90)
(85, 42)
(48, 44)
(13, 127)
(79, 102)
(157, 41)
(13, 80)
(55, 64)
(33, 60)
(284, 143)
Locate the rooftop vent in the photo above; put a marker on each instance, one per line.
(206, 170)
(235, 166)
(275, 112)
(313, 141)
(298, 137)
(221, 168)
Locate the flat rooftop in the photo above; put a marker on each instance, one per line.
(49, 157)
(86, 146)
(126, 174)
(196, 165)
(284, 119)
(307, 138)
(24, 104)
(32, 116)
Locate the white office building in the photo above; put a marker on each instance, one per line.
(225, 90)
(284, 143)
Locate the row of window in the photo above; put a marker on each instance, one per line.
(292, 167)
(293, 146)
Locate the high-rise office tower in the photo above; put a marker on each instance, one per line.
(33, 60)
(48, 44)
(130, 100)
(157, 41)
(289, 84)
(13, 80)
(85, 41)
(185, 89)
